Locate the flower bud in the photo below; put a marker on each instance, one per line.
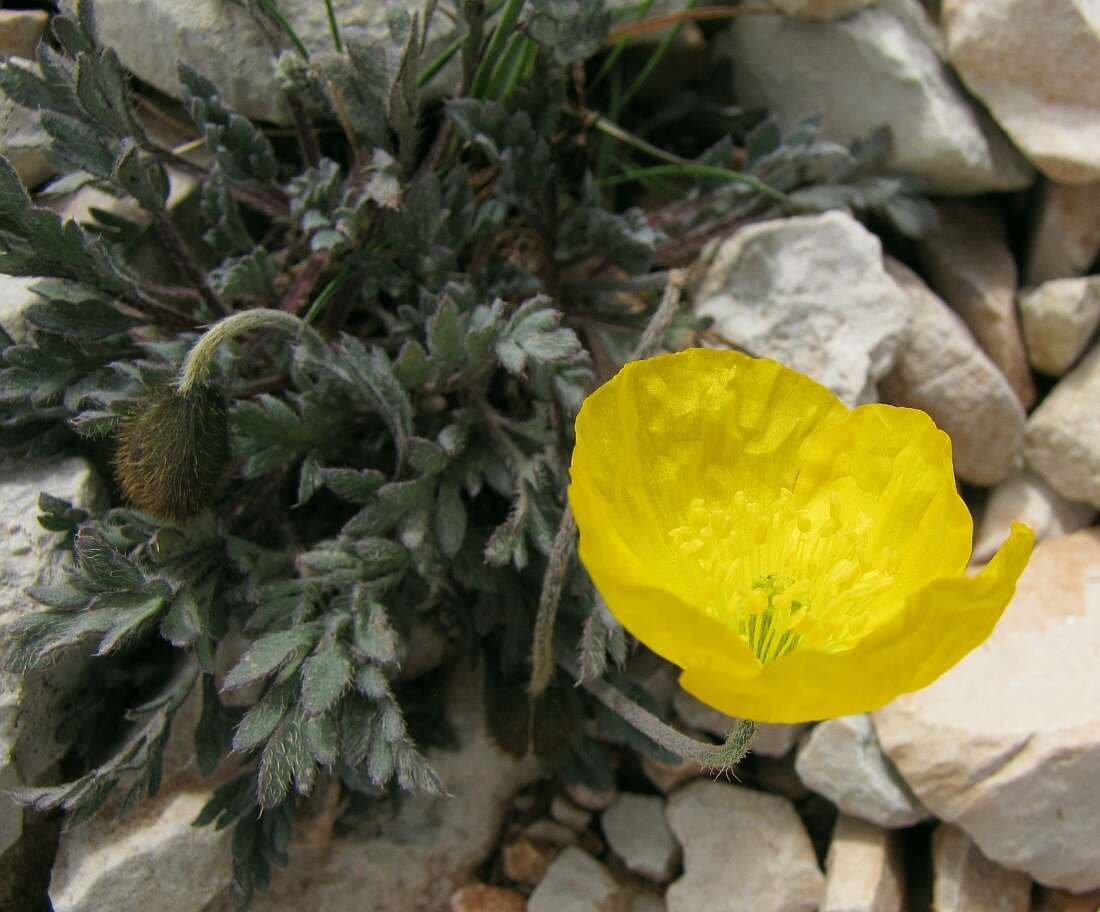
(172, 451)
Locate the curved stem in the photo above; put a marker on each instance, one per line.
(196, 367)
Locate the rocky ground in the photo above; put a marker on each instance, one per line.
(977, 794)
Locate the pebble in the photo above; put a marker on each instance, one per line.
(636, 830)
(525, 860)
(941, 370)
(863, 871)
(940, 136)
(967, 881)
(1026, 498)
(770, 740)
(1006, 745)
(1065, 232)
(1035, 66)
(1059, 319)
(842, 761)
(1062, 443)
(550, 832)
(483, 898)
(966, 261)
(566, 812)
(810, 292)
(576, 882)
(744, 851)
(588, 797)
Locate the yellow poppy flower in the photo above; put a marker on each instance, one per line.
(798, 559)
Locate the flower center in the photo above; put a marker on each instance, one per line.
(784, 575)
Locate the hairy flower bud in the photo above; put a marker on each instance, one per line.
(172, 451)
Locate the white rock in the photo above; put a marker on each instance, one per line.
(810, 292)
(29, 556)
(576, 882)
(416, 859)
(1007, 743)
(744, 851)
(841, 759)
(940, 137)
(636, 830)
(1063, 434)
(820, 9)
(157, 860)
(1026, 498)
(1059, 318)
(967, 262)
(770, 740)
(967, 881)
(565, 811)
(1065, 234)
(1035, 67)
(20, 32)
(15, 297)
(650, 902)
(940, 369)
(863, 872)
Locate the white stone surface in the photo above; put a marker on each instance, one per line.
(414, 861)
(744, 851)
(1035, 66)
(20, 32)
(29, 556)
(941, 370)
(770, 740)
(819, 9)
(1007, 743)
(1026, 498)
(23, 141)
(154, 860)
(810, 292)
(863, 871)
(1065, 233)
(576, 882)
(966, 261)
(1063, 434)
(1059, 319)
(636, 830)
(966, 881)
(15, 297)
(829, 69)
(841, 759)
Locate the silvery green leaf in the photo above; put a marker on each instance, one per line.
(268, 654)
(325, 677)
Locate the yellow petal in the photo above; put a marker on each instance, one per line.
(939, 624)
(699, 425)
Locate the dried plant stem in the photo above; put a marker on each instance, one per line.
(565, 541)
(196, 367)
(177, 249)
(715, 758)
(698, 14)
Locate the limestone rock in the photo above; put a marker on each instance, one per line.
(1026, 498)
(770, 740)
(588, 797)
(636, 830)
(744, 851)
(1065, 235)
(863, 872)
(550, 832)
(155, 860)
(1034, 66)
(29, 556)
(810, 292)
(15, 297)
(483, 898)
(940, 369)
(565, 811)
(23, 141)
(967, 263)
(841, 759)
(1063, 434)
(576, 882)
(940, 137)
(525, 860)
(820, 9)
(20, 32)
(668, 776)
(967, 881)
(414, 861)
(1007, 743)
(1059, 318)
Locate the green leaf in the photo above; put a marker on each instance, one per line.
(374, 639)
(285, 759)
(251, 275)
(412, 368)
(59, 515)
(269, 653)
(323, 738)
(260, 721)
(214, 730)
(445, 337)
(356, 485)
(450, 519)
(426, 456)
(325, 678)
(86, 320)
